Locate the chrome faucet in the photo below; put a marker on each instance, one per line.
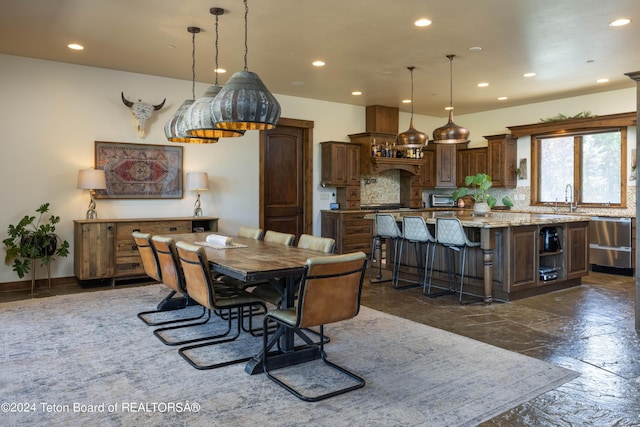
(572, 206)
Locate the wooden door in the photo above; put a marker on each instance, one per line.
(286, 174)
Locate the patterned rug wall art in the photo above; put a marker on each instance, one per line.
(139, 171)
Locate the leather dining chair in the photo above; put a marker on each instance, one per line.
(152, 269)
(202, 288)
(315, 243)
(278, 237)
(330, 291)
(165, 248)
(250, 232)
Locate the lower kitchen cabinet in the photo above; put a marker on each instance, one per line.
(104, 249)
(351, 231)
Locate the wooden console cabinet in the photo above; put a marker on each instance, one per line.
(104, 248)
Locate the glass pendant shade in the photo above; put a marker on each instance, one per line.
(200, 122)
(175, 129)
(245, 103)
(451, 133)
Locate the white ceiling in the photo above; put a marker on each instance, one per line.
(366, 44)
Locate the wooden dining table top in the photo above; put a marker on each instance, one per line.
(259, 260)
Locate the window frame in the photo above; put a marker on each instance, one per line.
(577, 172)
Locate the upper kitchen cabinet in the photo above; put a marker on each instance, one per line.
(501, 160)
(444, 166)
(340, 164)
(471, 161)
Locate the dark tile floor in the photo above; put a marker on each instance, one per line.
(589, 329)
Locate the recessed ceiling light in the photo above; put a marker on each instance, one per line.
(619, 22)
(483, 84)
(602, 80)
(423, 22)
(529, 74)
(448, 108)
(75, 46)
(356, 93)
(318, 63)
(406, 101)
(502, 98)
(220, 70)
(171, 46)
(475, 49)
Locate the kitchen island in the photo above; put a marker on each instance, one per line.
(511, 255)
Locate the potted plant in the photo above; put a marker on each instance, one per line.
(32, 239)
(477, 187)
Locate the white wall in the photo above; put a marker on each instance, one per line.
(51, 113)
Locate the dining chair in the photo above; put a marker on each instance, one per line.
(416, 233)
(165, 248)
(278, 237)
(152, 269)
(315, 243)
(201, 287)
(250, 232)
(386, 228)
(330, 291)
(450, 234)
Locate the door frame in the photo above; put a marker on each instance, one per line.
(307, 166)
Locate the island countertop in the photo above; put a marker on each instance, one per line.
(493, 220)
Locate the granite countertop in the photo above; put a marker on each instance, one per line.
(493, 220)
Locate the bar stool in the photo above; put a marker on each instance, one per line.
(415, 231)
(451, 235)
(386, 228)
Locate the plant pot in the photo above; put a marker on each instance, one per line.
(32, 246)
(481, 208)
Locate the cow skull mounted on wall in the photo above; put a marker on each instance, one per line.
(141, 112)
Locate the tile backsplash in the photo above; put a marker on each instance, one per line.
(384, 188)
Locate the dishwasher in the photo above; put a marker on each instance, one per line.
(610, 242)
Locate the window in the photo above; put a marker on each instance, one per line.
(587, 168)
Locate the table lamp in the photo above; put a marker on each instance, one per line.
(198, 181)
(92, 180)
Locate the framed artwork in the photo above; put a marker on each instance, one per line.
(139, 171)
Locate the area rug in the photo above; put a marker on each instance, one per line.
(86, 359)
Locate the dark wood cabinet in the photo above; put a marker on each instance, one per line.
(471, 161)
(446, 157)
(577, 249)
(524, 256)
(351, 231)
(429, 169)
(334, 163)
(501, 160)
(340, 164)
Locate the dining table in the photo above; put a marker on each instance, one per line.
(253, 261)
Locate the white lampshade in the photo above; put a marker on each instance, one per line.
(197, 181)
(92, 179)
